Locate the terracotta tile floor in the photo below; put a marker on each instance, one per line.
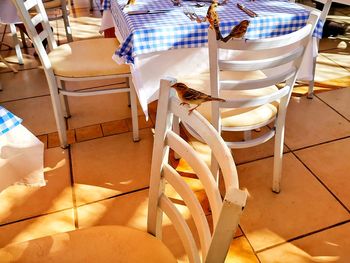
(103, 177)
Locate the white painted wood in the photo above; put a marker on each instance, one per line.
(181, 228)
(201, 169)
(323, 17)
(289, 54)
(16, 44)
(55, 88)
(225, 213)
(191, 201)
(231, 211)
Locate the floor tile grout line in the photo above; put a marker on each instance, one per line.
(303, 236)
(71, 175)
(320, 143)
(338, 65)
(114, 196)
(332, 107)
(28, 98)
(36, 216)
(321, 182)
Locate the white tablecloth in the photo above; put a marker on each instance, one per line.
(8, 12)
(21, 153)
(149, 68)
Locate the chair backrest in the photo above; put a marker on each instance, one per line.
(280, 56)
(225, 212)
(325, 10)
(40, 17)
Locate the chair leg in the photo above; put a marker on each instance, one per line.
(310, 93)
(91, 5)
(16, 44)
(134, 117)
(278, 149)
(7, 64)
(57, 110)
(247, 135)
(64, 99)
(24, 43)
(66, 21)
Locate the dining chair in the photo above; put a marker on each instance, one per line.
(252, 98)
(84, 60)
(114, 243)
(323, 16)
(59, 10)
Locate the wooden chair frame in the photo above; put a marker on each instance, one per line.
(291, 59)
(225, 212)
(56, 83)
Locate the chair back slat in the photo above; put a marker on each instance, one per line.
(255, 101)
(162, 173)
(257, 83)
(29, 4)
(282, 54)
(191, 201)
(181, 228)
(251, 65)
(31, 22)
(201, 169)
(270, 43)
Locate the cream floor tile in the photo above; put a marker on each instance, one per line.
(37, 227)
(311, 122)
(91, 110)
(19, 202)
(24, 84)
(111, 165)
(37, 114)
(241, 252)
(83, 27)
(330, 163)
(333, 43)
(329, 72)
(331, 245)
(131, 210)
(128, 210)
(339, 100)
(339, 56)
(300, 208)
(29, 61)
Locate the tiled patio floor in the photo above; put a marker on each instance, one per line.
(103, 177)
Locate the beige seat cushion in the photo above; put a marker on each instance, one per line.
(87, 58)
(235, 117)
(52, 4)
(94, 244)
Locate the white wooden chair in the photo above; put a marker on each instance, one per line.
(122, 244)
(76, 61)
(252, 98)
(59, 10)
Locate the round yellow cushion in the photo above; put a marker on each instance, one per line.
(87, 58)
(95, 244)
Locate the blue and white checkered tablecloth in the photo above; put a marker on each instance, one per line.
(7, 120)
(149, 33)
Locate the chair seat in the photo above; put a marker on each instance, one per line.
(52, 4)
(94, 244)
(235, 117)
(87, 58)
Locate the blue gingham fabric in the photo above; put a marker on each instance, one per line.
(147, 33)
(7, 120)
(105, 5)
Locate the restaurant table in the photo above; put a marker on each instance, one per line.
(170, 44)
(21, 153)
